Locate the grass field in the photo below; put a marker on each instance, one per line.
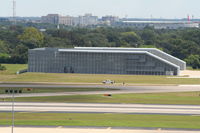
(110, 120)
(192, 98)
(11, 69)
(9, 75)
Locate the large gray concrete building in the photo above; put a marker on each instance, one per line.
(136, 61)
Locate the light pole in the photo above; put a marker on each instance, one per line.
(13, 92)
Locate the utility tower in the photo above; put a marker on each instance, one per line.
(14, 12)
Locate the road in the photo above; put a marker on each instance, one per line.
(87, 130)
(122, 89)
(102, 108)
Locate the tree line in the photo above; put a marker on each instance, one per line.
(181, 43)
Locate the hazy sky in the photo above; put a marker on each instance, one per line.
(131, 8)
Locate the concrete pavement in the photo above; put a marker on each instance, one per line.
(102, 108)
(122, 89)
(85, 130)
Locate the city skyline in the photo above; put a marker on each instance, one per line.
(126, 8)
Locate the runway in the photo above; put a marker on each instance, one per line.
(89, 130)
(122, 89)
(102, 108)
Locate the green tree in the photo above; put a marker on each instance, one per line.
(3, 47)
(131, 39)
(194, 61)
(149, 37)
(95, 40)
(4, 58)
(32, 38)
(2, 68)
(20, 54)
(57, 42)
(191, 34)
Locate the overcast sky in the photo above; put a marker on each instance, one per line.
(122, 8)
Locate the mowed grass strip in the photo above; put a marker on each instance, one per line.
(110, 120)
(192, 98)
(10, 76)
(98, 78)
(10, 72)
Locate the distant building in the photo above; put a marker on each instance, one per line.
(3, 19)
(158, 24)
(57, 19)
(76, 21)
(66, 20)
(50, 18)
(136, 61)
(110, 19)
(87, 19)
